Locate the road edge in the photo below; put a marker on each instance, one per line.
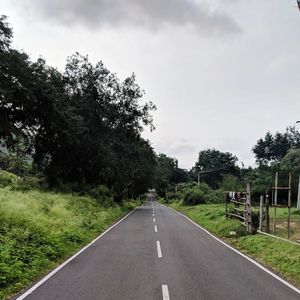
(240, 253)
(58, 268)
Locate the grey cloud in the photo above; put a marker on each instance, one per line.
(150, 14)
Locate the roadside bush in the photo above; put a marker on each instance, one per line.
(7, 178)
(193, 197)
(194, 194)
(27, 183)
(214, 196)
(103, 195)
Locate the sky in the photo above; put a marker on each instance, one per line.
(221, 72)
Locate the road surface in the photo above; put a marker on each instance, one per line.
(155, 253)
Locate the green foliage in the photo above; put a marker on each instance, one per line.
(193, 197)
(213, 164)
(7, 178)
(192, 194)
(231, 183)
(291, 161)
(102, 195)
(167, 173)
(261, 181)
(39, 228)
(82, 126)
(15, 159)
(272, 148)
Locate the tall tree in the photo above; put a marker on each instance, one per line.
(82, 126)
(212, 164)
(272, 148)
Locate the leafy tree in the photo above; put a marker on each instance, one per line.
(272, 148)
(82, 126)
(167, 173)
(232, 183)
(212, 164)
(16, 160)
(291, 161)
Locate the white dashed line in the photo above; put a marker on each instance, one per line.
(165, 292)
(159, 254)
(154, 220)
(155, 228)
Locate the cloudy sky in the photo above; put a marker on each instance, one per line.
(221, 72)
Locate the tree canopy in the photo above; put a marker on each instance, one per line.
(213, 164)
(82, 125)
(273, 147)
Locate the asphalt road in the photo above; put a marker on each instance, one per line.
(156, 253)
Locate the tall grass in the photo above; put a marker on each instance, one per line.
(37, 229)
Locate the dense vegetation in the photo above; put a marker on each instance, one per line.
(38, 229)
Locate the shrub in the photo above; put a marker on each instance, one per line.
(103, 195)
(194, 194)
(193, 197)
(27, 183)
(7, 178)
(214, 196)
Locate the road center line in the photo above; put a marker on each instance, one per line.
(153, 219)
(155, 228)
(165, 292)
(159, 254)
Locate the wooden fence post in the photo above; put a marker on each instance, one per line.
(275, 202)
(248, 208)
(225, 200)
(261, 212)
(267, 214)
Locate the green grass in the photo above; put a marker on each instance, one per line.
(283, 257)
(282, 212)
(281, 222)
(40, 229)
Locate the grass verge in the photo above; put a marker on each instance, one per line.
(280, 256)
(38, 230)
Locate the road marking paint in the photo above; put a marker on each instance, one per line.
(165, 292)
(31, 290)
(155, 228)
(242, 254)
(154, 220)
(159, 254)
(153, 215)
